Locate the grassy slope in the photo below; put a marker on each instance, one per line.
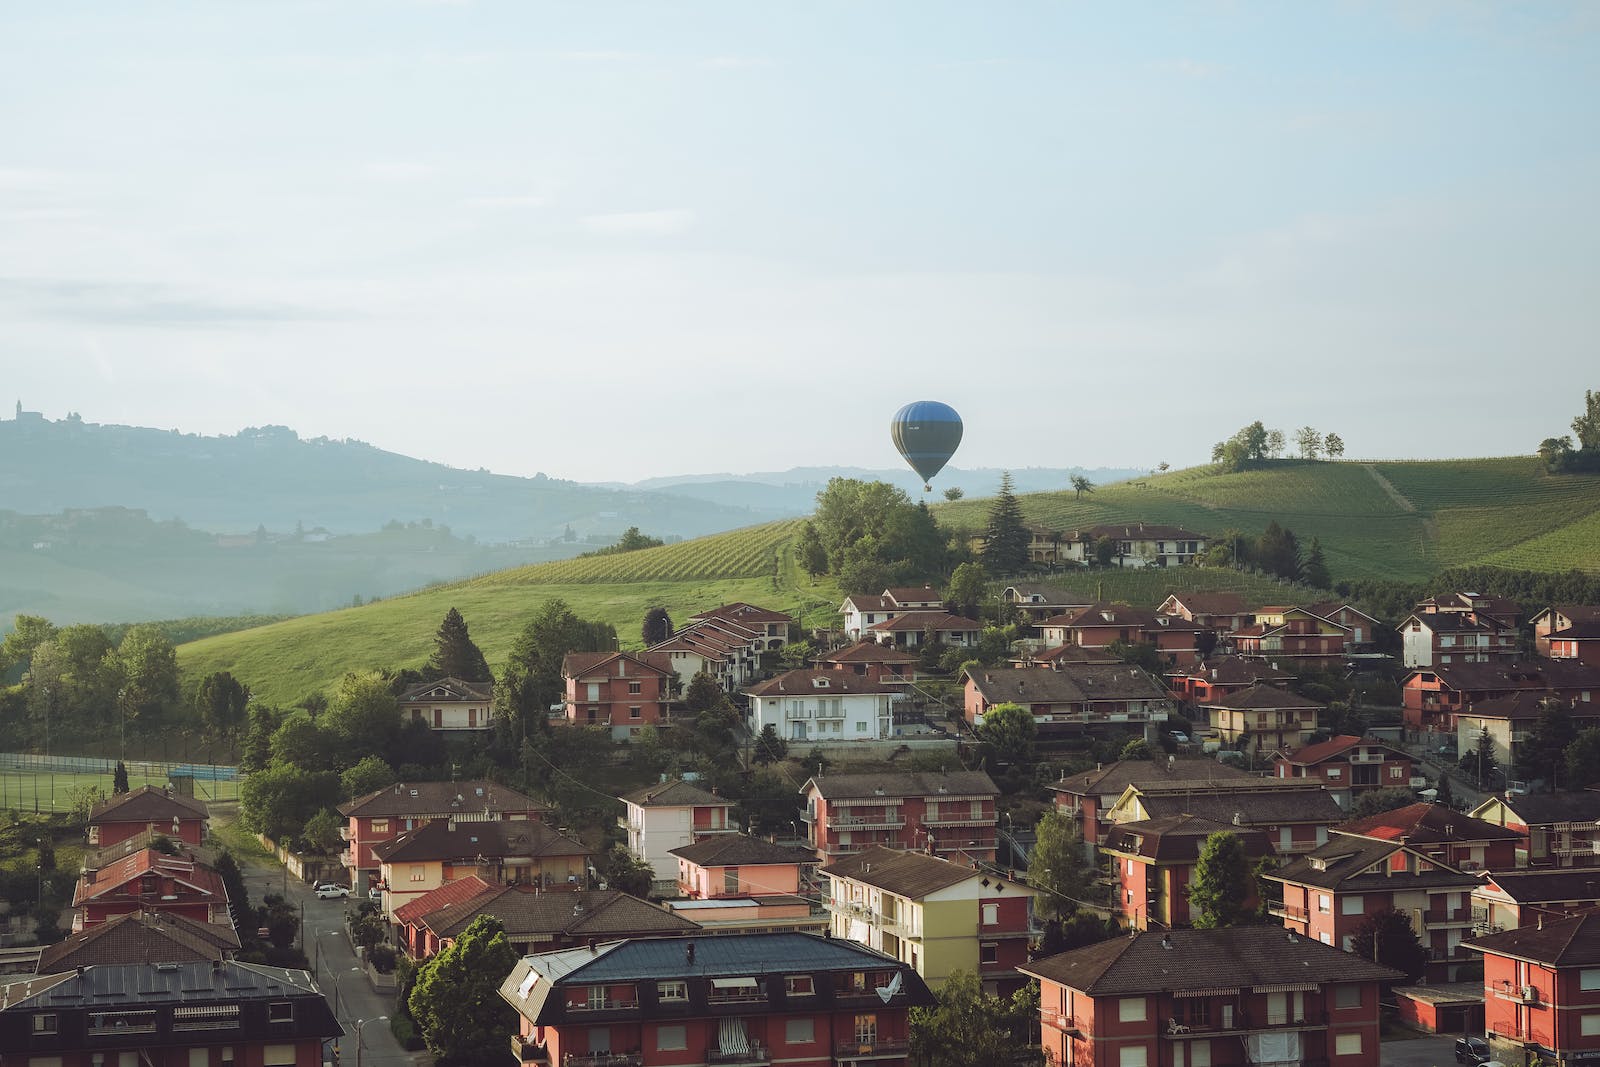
(1501, 511)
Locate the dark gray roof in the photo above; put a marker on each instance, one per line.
(1259, 807)
(674, 794)
(1539, 809)
(1548, 886)
(148, 803)
(1260, 696)
(445, 839)
(586, 913)
(443, 690)
(1237, 957)
(140, 937)
(439, 798)
(740, 850)
(908, 874)
(1573, 942)
(905, 784)
(1340, 864)
(1113, 778)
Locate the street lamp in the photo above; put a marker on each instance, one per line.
(359, 1024)
(333, 980)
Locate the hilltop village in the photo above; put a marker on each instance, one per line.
(1077, 831)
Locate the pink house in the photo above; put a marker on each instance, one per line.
(734, 865)
(147, 810)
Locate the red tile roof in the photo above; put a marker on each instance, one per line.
(868, 652)
(1424, 823)
(804, 682)
(148, 803)
(202, 881)
(612, 664)
(925, 620)
(450, 893)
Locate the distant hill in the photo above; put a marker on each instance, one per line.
(268, 476)
(1404, 520)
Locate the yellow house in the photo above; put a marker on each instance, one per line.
(525, 852)
(938, 916)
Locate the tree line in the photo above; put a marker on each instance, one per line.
(1558, 454)
(1255, 444)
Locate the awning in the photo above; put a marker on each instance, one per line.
(1218, 992)
(731, 1037)
(1286, 987)
(734, 983)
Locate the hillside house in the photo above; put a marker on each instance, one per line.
(660, 818)
(1135, 545)
(1153, 860)
(1088, 797)
(500, 853)
(1444, 638)
(789, 998)
(1579, 641)
(1508, 900)
(824, 706)
(871, 660)
(1559, 617)
(386, 813)
(736, 865)
(1432, 697)
(150, 881)
(710, 650)
(863, 611)
(1361, 628)
(1502, 610)
(1509, 721)
(1441, 834)
(1222, 676)
(1036, 602)
(1245, 994)
(622, 691)
(1097, 626)
(1070, 699)
(1265, 716)
(1294, 636)
(1295, 813)
(951, 814)
(449, 705)
(937, 916)
(1222, 613)
(1327, 894)
(911, 629)
(1541, 991)
(147, 810)
(771, 626)
(1348, 766)
(1555, 829)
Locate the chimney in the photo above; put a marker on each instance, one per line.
(688, 953)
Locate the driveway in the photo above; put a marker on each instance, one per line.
(1425, 1051)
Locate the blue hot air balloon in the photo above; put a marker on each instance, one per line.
(927, 434)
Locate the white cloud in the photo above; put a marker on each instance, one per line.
(640, 223)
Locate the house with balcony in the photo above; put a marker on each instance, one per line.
(1036, 602)
(1069, 699)
(669, 815)
(937, 916)
(622, 691)
(1245, 994)
(1495, 609)
(822, 706)
(1294, 636)
(871, 660)
(1361, 627)
(388, 812)
(751, 915)
(449, 705)
(1348, 766)
(1060, 656)
(1097, 626)
(750, 999)
(1541, 991)
(1441, 833)
(147, 811)
(500, 853)
(912, 629)
(772, 627)
(1432, 697)
(1579, 643)
(1509, 721)
(1327, 893)
(1507, 900)
(210, 1012)
(1559, 617)
(1269, 718)
(1296, 814)
(951, 814)
(862, 612)
(139, 937)
(1088, 796)
(1445, 638)
(1555, 829)
(1221, 676)
(1221, 613)
(1152, 862)
(737, 865)
(1135, 544)
(727, 658)
(151, 881)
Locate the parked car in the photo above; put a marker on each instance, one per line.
(1179, 736)
(1472, 1051)
(375, 892)
(330, 891)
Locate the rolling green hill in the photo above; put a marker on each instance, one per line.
(1383, 520)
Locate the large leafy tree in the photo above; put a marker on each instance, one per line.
(454, 654)
(531, 680)
(1080, 486)
(1378, 801)
(1387, 937)
(1309, 441)
(1583, 759)
(148, 672)
(1058, 865)
(970, 1028)
(967, 590)
(1278, 552)
(280, 800)
(1333, 444)
(1543, 754)
(28, 632)
(222, 701)
(657, 626)
(1005, 540)
(456, 1000)
(874, 536)
(1587, 425)
(1222, 885)
(367, 776)
(1010, 732)
(363, 718)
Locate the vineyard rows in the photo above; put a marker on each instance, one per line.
(746, 553)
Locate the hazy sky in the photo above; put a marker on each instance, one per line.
(612, 240)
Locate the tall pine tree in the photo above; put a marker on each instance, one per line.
(1005, 546)
(454, 654)
(1315, 571)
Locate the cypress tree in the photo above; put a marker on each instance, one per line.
(454, 654)
(1315, 571)
(1005, 546)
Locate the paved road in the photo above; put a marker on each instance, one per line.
(338, 973)
(1426, 1051)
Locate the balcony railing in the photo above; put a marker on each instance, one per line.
(855, 1050)
(1289, 911)
(1243, 1022)
(754, 1056)
(527, 1051)
(987, 819)
(867, 822)
(602, 1005)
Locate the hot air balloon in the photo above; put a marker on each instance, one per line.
(927, 434)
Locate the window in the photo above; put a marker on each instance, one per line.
(799, 1031)
(867, 1030)
(1325, 937)
(1590, 1025)
(730, 880)
(861, 727)
(989, 953)
(1335, 773)
(1347, 1044)
(1347, 996)
(991, 914)
(380, 826)
(417, 872)
(672, 1038)
(1352, 905)
(278, 1056)
(1324, 905)
(1397, 771)
(1199, 1053)
(1131, 1010)
(199, 1057)
(280, 1011)
(635, 713)
(44, 1023)
(597, 997)
(635, 688)
(799, 985)
(1589, 978)
(676, 990)
(1131, 1056)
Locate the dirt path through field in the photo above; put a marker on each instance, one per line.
(1388, 487)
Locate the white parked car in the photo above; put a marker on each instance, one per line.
(331, 891)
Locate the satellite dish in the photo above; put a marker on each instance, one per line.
(926, 433)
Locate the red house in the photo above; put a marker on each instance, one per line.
(871, 660)
(1434, 696)
(1348, 766)
(1088, 796)
(1221, 613)
(1153, 861)
(1442, 834)
(1222, 676)
(1541, 991)
(147, 810)
(789, 998)
(950, 815)
(1559, 617)
(624, 691)
(389, 812)
(1246, 994)
(151, 881)
(773, 626)
(1292, 635)
(1579, 641)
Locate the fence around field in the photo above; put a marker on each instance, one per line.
(33, 782)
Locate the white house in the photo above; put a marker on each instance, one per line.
(812, 705)
(449, 704)
(1137, 545)
(907, 629)
(670, 815)
(862, 612)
